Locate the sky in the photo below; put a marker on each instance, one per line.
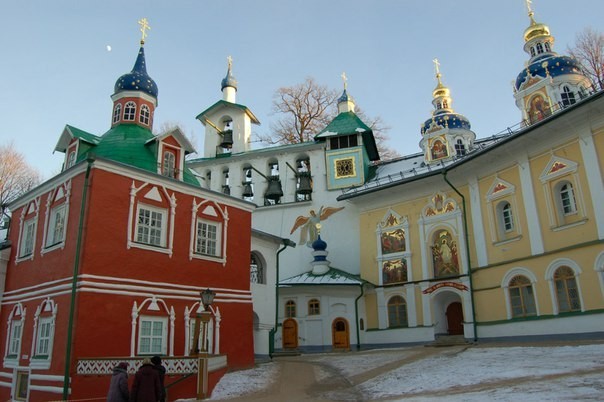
(476, 374)
(56, 67)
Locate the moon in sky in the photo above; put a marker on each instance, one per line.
(108, 48)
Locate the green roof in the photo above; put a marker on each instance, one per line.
(348, 123)
(333, 276)
(83, 135)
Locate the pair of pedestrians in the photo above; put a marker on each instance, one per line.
(148, 385)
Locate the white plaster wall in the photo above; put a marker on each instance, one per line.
(555, 326)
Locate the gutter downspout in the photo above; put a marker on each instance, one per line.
(271, 346)
(466, 235)
(356, 315)
(74, 281)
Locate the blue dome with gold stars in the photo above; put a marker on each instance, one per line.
(446, 120)
(553, 65)
(137, 79)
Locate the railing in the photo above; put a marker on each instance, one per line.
(479, 145)
(105, 366)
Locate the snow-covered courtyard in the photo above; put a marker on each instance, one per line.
(460, 373)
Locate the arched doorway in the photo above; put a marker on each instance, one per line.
(340, 334)
(455, 319)
(290, 334)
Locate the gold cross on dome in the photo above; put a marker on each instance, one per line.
(436, 66)
(528, 6)
(344, 79)
(144, 27)
(230, 61)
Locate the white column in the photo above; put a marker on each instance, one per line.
(381, 307)
(530, 206)
(477, 223)
(594, 178)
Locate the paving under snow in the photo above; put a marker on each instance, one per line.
(554, 373)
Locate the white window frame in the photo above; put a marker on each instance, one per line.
(200, 241)
(44, 337)
(199, 212)
(162, 228)
(169, 164)
(145, 115)
(39, 359)
(71, 158)
(117, 111)
(28, 238)
(12, 351)
(163, 322)
(565, 196)
(14, 343)
(55, 234)
(130, 111)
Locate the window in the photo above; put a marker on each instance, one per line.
(256, 270)
(522, 298)
(130, 111)
(56, 226)
(150, 226)
(567, 293)
(117, 111)
(344, 141)
(169, 165)
(145, 113)
(548, 47)
(290, 309)
(460, 148)
(152, 335)
(567, 96)
(539, 48)
(71, 159)
(208, 238)
(567, 201)
(445, 104)
(43, 338)
(397, 312)
(14, 345)
(314, 307)
(505, 217)
(532, 51)
(27, 238)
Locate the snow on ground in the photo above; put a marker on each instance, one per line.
(555, 373)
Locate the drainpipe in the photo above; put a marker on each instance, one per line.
(466, 235)
(356, 315)
(271, 346)
(74, 281)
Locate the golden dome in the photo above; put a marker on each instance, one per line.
(535, 29)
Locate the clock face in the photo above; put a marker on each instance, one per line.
(345, 167)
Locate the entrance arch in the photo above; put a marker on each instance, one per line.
(340, 334)
(454, 319)
(290, 334)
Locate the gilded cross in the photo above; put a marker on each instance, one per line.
(436, 66)
(345, 80)
(528, 6)
(230, 61)
(144, 27)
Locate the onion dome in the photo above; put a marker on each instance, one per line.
(319, 244)
(446, 120)
(535, 30)
(229, 80)
(137, 79)
(344, 97)
(552, 66)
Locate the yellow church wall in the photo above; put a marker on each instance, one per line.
(598, 138)
(371, 310)
(504, 246)
(557, 231)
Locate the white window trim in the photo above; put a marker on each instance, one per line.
(218, 241)
(71, 150)
(126, 105)
(223, 215)
(32, 207)
(32, 222)
(164, 335)
(133, 218)
(213, 328)
(142, 117)
(505, 284)
(11, 361)
(61, 192)
(117, 113)
(152, 304)
(35, 360)
(549, 277)
(163, 227)
(179, 159)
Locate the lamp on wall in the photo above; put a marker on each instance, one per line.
(203, 318)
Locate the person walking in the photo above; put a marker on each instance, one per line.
(118, 388)
(146, 386)
(161, 370)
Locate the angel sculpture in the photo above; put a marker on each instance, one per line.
(312, 224)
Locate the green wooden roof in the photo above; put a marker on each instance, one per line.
(348, 123)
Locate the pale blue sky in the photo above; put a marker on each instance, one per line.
(55, 68)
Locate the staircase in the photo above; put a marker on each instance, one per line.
(448, 340)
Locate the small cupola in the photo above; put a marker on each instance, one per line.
(229, 84)
(345, 101)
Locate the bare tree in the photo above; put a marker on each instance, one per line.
(588, 49)
(171, 125)
(16, 175)
(307, 108)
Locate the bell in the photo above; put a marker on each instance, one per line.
(304, 186)
(247, 189)
(274, 191)
(227, 139)
(226, 189)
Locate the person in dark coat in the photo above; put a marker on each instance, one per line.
(146, 386)
(161, 370)
(118, 389)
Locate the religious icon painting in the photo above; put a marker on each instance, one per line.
(444, 254)
(394, 271)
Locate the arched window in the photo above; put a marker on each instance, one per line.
(117, 111)
(71, 159)
(290, 309)
(567, 293)
(256, 270)
(567, 96)
(532, 51)
(438, 105)
(445, 104)
(130, 111)
(460, 148)
(314, 307)
(506, 218)
(548, 47)
(145, 113)
(397, 312)
(539, 48)
(522, 297)
(169, 165)
(566, 197)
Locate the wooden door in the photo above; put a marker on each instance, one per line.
(455, 319)
(290, 334)
(340, 334)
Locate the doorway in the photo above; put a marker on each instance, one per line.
(340, 334)
(455, 319)
(290, 334)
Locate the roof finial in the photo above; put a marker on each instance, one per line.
(144, 27)
(437, 69)
(345, 80)
(230, 62)
(531, 13)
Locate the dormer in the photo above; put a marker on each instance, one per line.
(172, 148)
(74, 143)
